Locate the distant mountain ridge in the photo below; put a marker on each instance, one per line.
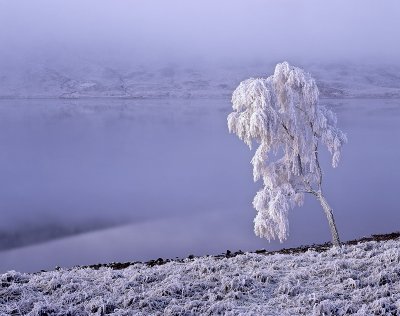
(84, 79)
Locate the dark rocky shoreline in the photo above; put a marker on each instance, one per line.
(229, 254)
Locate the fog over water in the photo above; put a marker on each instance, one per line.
(113, 136)
(181, 31)
(172, 170)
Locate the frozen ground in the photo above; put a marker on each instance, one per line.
(101, 79)
(362, 279)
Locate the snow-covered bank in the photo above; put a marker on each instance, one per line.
(361, 279)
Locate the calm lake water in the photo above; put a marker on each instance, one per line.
(142, 179)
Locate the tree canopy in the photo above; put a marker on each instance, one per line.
(282, 115)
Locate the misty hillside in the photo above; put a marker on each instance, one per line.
(357, 279)
(82, 79)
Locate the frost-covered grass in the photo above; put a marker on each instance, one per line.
(361, 279)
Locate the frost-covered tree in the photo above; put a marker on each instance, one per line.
(281, 114)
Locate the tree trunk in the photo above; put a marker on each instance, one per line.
(331, 220)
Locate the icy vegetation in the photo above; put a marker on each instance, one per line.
(101, 79)
(362, 279)
(282, 116)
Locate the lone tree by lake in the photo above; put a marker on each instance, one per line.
(281, 114)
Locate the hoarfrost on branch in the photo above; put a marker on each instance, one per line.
(281, 114)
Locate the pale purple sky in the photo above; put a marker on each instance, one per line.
(176, 30)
